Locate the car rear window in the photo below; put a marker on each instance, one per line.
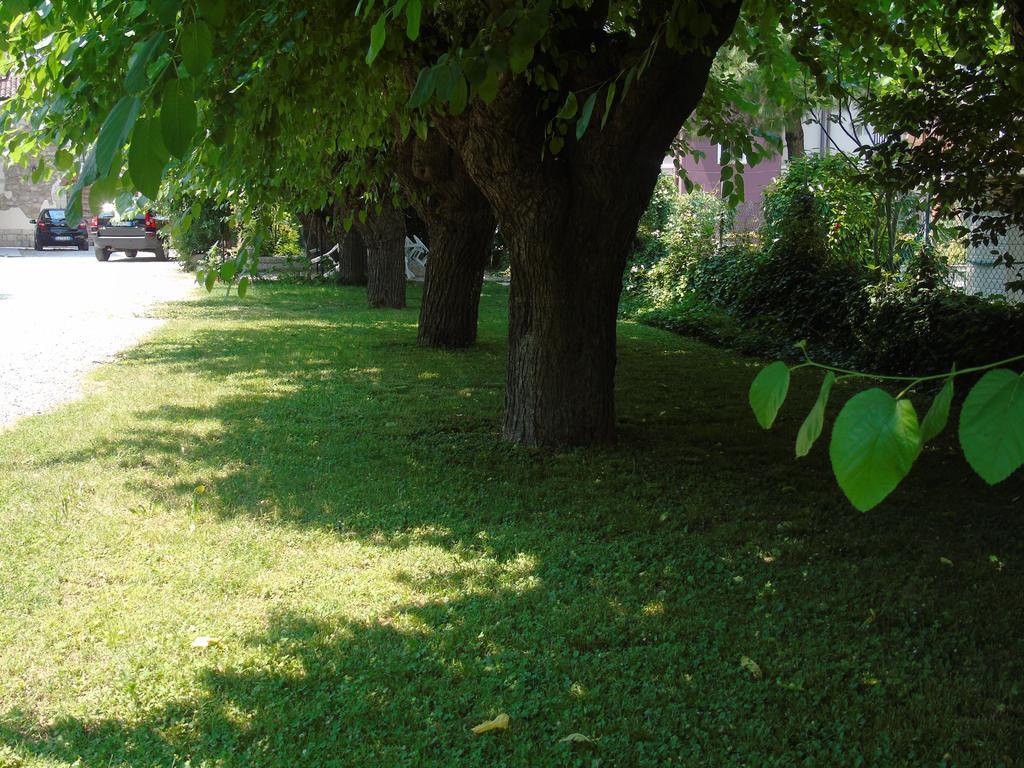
(57, 217)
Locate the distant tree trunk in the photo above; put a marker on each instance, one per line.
(384, 235)
(460, 227)
(569, 221)
(795, 138)
(352, 262)
(315, 231)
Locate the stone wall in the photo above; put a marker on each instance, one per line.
(21, 200)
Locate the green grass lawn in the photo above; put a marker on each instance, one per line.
(382, 572)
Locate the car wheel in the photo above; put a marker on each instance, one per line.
(131, 254)
(102, 254)
(161, 255)
(83, 246)
(36, 245)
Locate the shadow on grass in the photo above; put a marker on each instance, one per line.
(650, 569)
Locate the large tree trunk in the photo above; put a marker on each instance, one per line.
(316, 232)
(352, 261)
(384, 235)
(569, 222)
(460, 227)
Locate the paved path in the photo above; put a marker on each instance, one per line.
(62, 313)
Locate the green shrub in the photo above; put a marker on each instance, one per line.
(811, 277)
(675, 232)
(916, 324)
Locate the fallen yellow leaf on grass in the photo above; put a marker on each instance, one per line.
(205, 642)
(499, 723)
(751, 666)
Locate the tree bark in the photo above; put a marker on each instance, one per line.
(352, 261)
(384, 235)
(795, 138)
(460, 228)
(569, 222)
(315, 231)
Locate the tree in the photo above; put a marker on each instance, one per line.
(560, 114)
(460, 224)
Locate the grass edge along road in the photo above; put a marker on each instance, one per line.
(376, 572)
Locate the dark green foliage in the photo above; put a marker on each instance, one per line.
(917, 324)
(813, 277)
(195, 224)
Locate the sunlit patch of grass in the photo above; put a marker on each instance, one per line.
(380, 572)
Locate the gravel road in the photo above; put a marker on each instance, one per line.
(63, 312)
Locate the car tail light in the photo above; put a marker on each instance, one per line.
(82, 225)
(95, 221)
(41, 224)
(150, 222)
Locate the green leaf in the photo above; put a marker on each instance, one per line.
(488, 89)
(114, 132)
(557, 143)
(875, 440)
(568, 110)
(726, 189)
(938, 414)
(214, 11)
(768, 392)
(103, 191)
(992, 425)
(211, 279)
(413, 11)
(147, 157)
(196, 41)
(588, 111)
(460, 95)
(178, 117)
(243, 287)
(811, 429)
(609, 99)
(227, 271)
(137, 78)
(377, 36)
(63, 160)
(423, 89)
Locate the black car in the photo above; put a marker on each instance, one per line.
(52, 229)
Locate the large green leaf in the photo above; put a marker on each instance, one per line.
(114, 132)
(413, 11)
(147, 157)
(875, 440)
(423, 89)
(178, 117)
(588, 111)
(378, 34)
(196, 41)
(137, 78)
(992, 425)
(938, 414)
(768, 392)
(569, 108)
(459, 97)
(103, 191)
(811, 429)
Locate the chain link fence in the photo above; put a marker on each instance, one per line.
(991, 270)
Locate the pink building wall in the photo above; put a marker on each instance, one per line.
(706, 173)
